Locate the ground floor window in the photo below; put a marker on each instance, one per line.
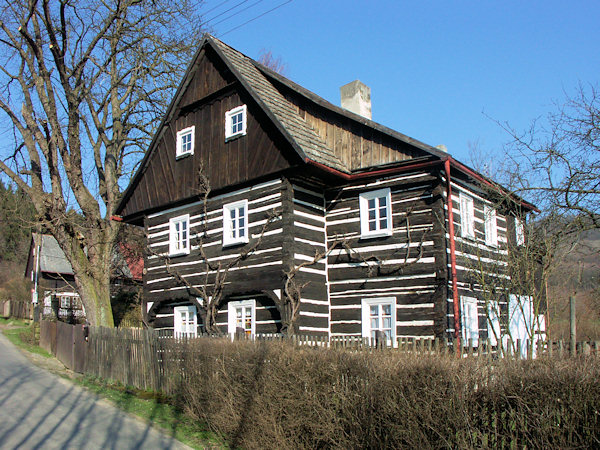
(470, 320)
(186, 322)
(242, 317)
(379, 318)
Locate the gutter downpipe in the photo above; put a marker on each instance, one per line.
(452, 257)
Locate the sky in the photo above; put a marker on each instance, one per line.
(443, 72)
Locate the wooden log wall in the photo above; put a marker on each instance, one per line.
(308, 239)
(261, 270)
(405, 266)
(478, 264)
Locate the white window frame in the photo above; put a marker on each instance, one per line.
(366, 304)
(363, 201)
(191, 131)
(469, 319)
(493, 322)
(175, 247)
(229, 227)
(467, 216)
(231, 315)
(491, 226)
(70, 296)
(519, 231)
(229, 134)
(185, 326)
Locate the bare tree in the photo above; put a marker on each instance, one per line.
(556, 162)
(83, 86)
(275, 63)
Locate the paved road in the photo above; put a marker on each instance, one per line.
(41, 410)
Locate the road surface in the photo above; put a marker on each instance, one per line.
(40, 410)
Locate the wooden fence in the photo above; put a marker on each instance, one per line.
(145, 359)
(66, 342)
(16, 309)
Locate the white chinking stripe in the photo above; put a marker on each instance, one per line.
(309, 216)
(381, 290)
(414, 323)
(302, 257)
(314, 314)
(311, 270)
(218, 197)
(379, 248)
(380, 279)
(302, 328)
(340, 211)
(385, 181)
(479, 258)
(424, 260)
(306, 241)
(217, 258)
(233, 269)
(314, 302)
(366, 293)
(309, 227)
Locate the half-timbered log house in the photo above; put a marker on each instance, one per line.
(335, 225)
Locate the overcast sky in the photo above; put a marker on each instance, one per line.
(436, 69)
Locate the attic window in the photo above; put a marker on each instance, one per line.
(235, 122)
(185, 141)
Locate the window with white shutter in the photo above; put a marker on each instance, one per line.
(467, 216)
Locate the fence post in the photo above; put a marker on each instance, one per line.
(573, 326)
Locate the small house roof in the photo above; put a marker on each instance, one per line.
(52, 258)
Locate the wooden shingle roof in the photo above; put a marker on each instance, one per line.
(302, 136)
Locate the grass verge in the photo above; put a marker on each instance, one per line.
(21, 334)
(156, 409)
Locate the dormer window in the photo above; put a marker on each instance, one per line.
(235, 122)
(185, 141)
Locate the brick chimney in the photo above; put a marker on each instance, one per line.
(356, 97)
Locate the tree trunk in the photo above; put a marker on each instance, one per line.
(95, 293)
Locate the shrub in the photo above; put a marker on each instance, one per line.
(275, 395)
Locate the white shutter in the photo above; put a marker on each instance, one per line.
(467, 216)
(470, 320)
(491, 228)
